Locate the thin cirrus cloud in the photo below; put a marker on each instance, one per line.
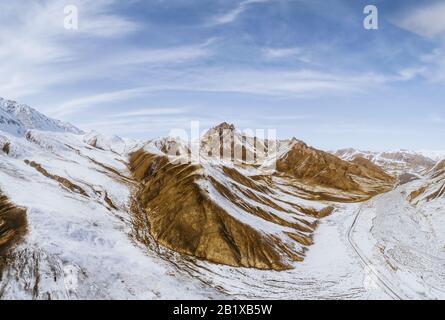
(426, 21)
(159, 58)
(36, 42)
(89, 102)
(232, 15)
(282, 53)
(145, 112)
(435, 118)
(38, 27)
(305, 83)
(167, 55)
(270, 82)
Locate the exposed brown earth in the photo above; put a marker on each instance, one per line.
(434, 188)
(324, 169)
(61, 180)
(415, 160)
(438, 193)
(6, 148)
(183, 218)
(439, 168)
(13, 227)
(180, 212)
(417, 193)
(379, 173)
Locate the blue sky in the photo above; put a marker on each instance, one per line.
(307, 68)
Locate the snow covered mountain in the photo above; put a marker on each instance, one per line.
(232, 212)
(395, 162)
(66, 225)
(113, 143)
(89, 216)
(10, 124)
(18, 118)
(436, 155)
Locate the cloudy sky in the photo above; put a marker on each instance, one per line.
(305, 67)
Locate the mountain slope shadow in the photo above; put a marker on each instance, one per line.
(13, 226)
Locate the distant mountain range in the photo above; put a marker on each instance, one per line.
(394, 162)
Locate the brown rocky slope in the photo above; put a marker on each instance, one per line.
(12, 228)
(234, 214)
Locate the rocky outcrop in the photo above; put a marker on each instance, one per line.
(65, 183)
(12, 228)
(433, 187)
(320, 168)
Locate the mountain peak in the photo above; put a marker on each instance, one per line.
(27, 118)
(224, 126)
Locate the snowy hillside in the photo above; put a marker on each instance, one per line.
(406, 249)
(113, 143)
(17, 118)
(436, 155)
(396, 162)
(10, 124)
(78, 242)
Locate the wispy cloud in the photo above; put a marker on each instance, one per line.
(35, 41)
(142, 125)
(169, 55)
(39, 54)
(270, 82)
(281, 53)
(434, 65)
(266, 82)
(91, 101)
(288, 117)
(150, 112)
(426, 21)
(236, 12)
(435, 118)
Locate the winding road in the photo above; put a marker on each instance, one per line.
(379, 279)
